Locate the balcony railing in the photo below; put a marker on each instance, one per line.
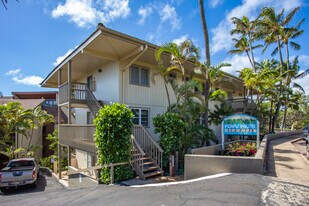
(80, 94)
(240, 103)
(78, 136)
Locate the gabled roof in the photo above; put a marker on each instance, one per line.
(108, 33)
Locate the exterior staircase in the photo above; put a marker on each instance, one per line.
(146, 153)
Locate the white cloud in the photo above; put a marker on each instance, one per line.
(168, 13)
(61, 58)
(222, 39)
(181, 39)
(144, 12)
(13, 72)
(89, 12)
(304, 82)
(238, 62)
(215, 3)
(28, 80)
(304, 59)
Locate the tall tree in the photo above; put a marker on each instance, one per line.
(274, 26)
(208, 62)
(247, 29)
(179, 55)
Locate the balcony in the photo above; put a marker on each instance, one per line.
(239, 104)
(78, 136)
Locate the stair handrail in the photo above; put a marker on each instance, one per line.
(148, 144)
(137, 158)
(151, 139)
(93, 97)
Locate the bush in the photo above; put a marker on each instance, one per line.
(171, 128)
(112, 139)
(237, 149)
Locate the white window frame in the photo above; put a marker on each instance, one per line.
(139, 76)
(140, 115)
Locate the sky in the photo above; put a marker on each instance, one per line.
(37, 34)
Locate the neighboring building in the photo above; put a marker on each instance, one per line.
(30, 100)
(110, 66)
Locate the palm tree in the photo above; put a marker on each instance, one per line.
(247, 29)
(242, 45)
(5, 2)
(292, 73)
(13, 119)
(39, 118)
(179, 55)
(274, 27)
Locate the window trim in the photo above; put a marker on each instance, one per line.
(140, 115)
(139, 75)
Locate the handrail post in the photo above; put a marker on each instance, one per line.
(112, 174)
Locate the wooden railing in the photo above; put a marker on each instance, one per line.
(137, 155)
(150, 147)
(78, 136)
(80, 94)
(92, 102)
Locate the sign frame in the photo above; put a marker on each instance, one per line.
(246, 133)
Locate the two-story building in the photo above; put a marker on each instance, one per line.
(107, 67)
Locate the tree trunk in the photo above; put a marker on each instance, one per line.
(251, 52)
(206, 88)
(288, 85)
(168, 95)
(208, 63)
(205, 31)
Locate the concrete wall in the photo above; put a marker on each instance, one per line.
(204, 162)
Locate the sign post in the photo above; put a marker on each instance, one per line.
(240, 125)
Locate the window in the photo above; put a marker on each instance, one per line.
(139, 75)
(141, 116)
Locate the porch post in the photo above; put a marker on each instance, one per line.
(59, 122)
(69, 92)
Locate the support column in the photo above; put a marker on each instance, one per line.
(59, 122)
(69, 92)
(69, 156)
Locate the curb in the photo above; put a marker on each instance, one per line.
(183, 182)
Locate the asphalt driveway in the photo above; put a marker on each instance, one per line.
(235, 189)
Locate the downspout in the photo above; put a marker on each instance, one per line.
(144, 49)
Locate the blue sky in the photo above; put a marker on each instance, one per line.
(35, 35)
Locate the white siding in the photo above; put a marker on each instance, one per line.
(81, 157)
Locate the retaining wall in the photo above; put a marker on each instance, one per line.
(205, 161)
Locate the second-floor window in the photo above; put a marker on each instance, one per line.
(139, 75)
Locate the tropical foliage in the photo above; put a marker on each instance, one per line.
(270, 83)
(16, 120)
(113, 140)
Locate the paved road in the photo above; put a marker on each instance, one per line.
(235, 189)
(286, 162)
(289, 188)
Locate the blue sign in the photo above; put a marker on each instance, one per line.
(240, 124)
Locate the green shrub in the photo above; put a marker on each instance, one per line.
(112, 139)
(171, 128)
